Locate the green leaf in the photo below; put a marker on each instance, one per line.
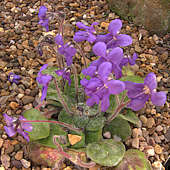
(107, 152)
(135, 79)
(112, 106)
(94, 136)
(119, 127)
(95, 123)
(51, 71)
(55, 130)
(134, 160)
(40, 130)
(131, 117)
(65, 117)
(80, 121)
(51, 92)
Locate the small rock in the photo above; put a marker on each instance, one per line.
(19, 155)
(136, 132)
(25, 163)
(157, 165)
(104, 25)
(159, 128)
(27, 99)
(158, 149)
(150, 122)
(135, 143)
(138, 49)
(149, 151)
(1, 142)
(107, 135)
(143, 119)
(5, 159)
(14, 105)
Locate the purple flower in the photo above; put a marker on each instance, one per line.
(101, 87)
(113, 38)
(15, 125)
(129, 60)
(113, 56)
(65, 49)
(43, 79)
(65, 74)
(43, 18)
(139, 93)
(13, 78)
(87, 35)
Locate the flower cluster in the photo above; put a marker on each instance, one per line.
(15, 125)
(13, 78)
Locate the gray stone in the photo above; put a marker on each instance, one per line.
(153, 14)
(27, 99)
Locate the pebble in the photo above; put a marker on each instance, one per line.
(136, 132)
(159, 128)
(1, 142)
(5, 160)
(150, 122)
(14, 105)
(158, 149)
(149, 151)
(135, 143)
(27, 99)
(143, 119)
(157, 165)
(19, 155)
(25, 163)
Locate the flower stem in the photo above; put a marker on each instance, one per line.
(82, 53)
(41, 104)
(75, 81)
(52, 121)
(117, 111)
(62, 99)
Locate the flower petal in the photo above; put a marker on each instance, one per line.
(123, 40)
(134, 89)
(115, 86)
(91, 38)
(115, 56)
(100, 49)
(138, 103)
(115, 26)
(105, 103)
(94, 83)
(150, 81)
(116, 69)
(42, 12)
(104, 38)
(59, 39)
(9, 120)
(80, 36)
(81, 25)
(89, 71)
(104, 70)
(158, 98)
(10, 131)
(92, 100)
(44, 92)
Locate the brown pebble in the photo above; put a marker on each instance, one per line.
(143, 119)
(159, 128)
(135, 143)
(19, 155)
(14, 105)
(136, 132)
(150, 122)
(158, 149)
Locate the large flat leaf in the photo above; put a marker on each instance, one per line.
(55, 130)
(134, 160)
(40, 130)
(131, 117)
(119, 127)
(107, 152)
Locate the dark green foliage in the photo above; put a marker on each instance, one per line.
(119, 127)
